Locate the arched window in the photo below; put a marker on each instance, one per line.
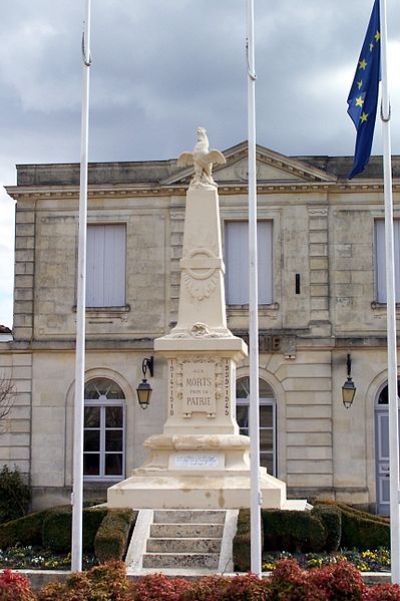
(104, 431)
(267, 420)
(383, 398)
(382, 450)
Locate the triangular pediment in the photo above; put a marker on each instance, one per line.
(272, 168)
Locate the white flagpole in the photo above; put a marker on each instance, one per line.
(77, 483)
(391, 309)
(254, 431)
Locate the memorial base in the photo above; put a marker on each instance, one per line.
(177, 490)
(196, 472)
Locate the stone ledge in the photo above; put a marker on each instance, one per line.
(40, 578)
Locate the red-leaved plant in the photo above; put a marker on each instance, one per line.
(206, 588)
(157, 587)
(107, 582)
(339, 581)
(291, 583)
(382, 592)
(15, 587)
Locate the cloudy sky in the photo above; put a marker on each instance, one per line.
(160, 68)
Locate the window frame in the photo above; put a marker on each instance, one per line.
(103, 404)
(264, 401)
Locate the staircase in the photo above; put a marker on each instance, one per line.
(182, 542)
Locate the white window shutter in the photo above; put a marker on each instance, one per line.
(265, 262)
(237, 262)
(105, 265)
(380, 260)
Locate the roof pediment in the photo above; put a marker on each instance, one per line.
(272, 168)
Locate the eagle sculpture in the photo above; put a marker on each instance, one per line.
(202, 158)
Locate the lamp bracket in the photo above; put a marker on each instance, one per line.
(148, 364)
(348, 363)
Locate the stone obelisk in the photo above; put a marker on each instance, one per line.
(200, 460)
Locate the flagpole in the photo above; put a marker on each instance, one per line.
(77, 482)
(254, 431)
(391, 309)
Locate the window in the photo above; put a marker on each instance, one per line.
(105, 265)
(104, 431)
(237, 262)
(267, 420)
(380, 260)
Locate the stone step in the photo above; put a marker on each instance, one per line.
(189, 517)
(180, 560)
(183, 545)
(186, 530)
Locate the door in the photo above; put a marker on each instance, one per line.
(382, 461)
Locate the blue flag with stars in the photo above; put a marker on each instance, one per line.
(363, 97)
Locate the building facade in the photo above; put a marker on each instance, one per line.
(321, 297)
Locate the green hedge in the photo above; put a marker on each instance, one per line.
(57, 528)
(241, 542)
(331, 517)
(24, 531)
(360, 529)
(112, 537)
(363, 534)
(350, 509)
(293, 531)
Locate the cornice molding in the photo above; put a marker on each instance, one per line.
(225, 188)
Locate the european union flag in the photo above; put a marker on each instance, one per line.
(363, 97)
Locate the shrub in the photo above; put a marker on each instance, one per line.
(289, 583)
(354, 510)
(157, 586)
(15, 587)
(57, 528)
(363, 514)
(382, 592)
(241, 542)
(249, 588)
(206, 588)
(102, 583)
(112, 537)
(340, 581)
(218, 588)
(363, 534)
(331, 518)
(24, 531)
(360, 530)
(293, 531)
(15, 495)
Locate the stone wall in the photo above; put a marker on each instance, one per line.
(15, 429)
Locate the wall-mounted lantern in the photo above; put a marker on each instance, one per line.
(144, 389)
(348, 388)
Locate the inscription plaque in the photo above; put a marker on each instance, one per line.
(198, 387)
(197, 461)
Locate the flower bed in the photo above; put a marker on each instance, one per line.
(31, 557)
(365, 561)
(37, 558)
